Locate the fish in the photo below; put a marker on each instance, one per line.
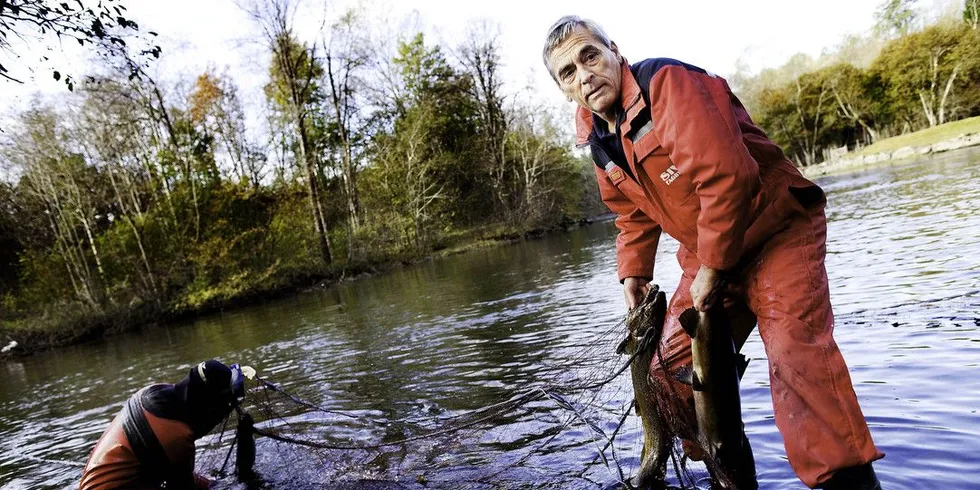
(245, 456)
(715, 373)
(645, 324)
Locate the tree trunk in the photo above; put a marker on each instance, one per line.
(95, 255)
(148, 280)
(927, 110)
(319, 223)
(850, 113)
(339, 100)
(949, 87)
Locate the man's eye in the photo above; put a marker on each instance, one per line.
(565, 75)
(591, 56)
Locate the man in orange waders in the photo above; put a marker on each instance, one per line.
(676, 151)
(151, 442)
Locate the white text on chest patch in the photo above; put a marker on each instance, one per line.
(670, 175)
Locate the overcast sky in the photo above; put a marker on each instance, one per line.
(196, 34)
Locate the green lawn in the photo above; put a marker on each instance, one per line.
(925, 137)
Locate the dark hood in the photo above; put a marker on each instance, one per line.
(199, 401)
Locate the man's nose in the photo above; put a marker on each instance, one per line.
(584, 76)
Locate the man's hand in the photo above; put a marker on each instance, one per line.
(635, 289)
(705, 289)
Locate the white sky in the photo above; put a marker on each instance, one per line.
(713, 34)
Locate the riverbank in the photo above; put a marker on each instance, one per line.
(68, 326)
(964, 133)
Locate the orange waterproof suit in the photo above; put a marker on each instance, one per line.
(114, 465)
(687, 159)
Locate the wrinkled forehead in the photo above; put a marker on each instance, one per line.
(569, 48)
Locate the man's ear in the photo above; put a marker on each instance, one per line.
(615, 49)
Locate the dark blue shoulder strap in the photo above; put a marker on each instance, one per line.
(147, 448)
(643, 71)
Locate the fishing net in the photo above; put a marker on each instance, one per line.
(533, 438)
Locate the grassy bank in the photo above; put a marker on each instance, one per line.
(950, 136)
(925, 137)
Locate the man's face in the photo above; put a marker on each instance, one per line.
(588, 72)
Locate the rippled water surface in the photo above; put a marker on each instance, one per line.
(460, 333)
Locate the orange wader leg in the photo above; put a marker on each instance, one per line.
(675, 346)
(816, 409)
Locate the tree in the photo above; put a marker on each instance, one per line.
(109, 128)
(58, 180)
(10, 244)
(541, 163)
(812, 102)
(103, 26)
(217, 109)
(409, 161)
(293, 88)
(923, 69)
(971, 13)
(800, 116)
(750, 88)
(424, 161)
(429, 80)
(895, 18)
(347, 57)
(859, 96)
(480, 58)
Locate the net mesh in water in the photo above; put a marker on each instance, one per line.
(564, 431)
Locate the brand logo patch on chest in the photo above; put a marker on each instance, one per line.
(670, 175)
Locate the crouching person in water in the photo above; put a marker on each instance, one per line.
(151, 442)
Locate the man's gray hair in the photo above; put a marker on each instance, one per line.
(560, 30)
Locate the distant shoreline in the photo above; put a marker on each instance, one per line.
(947, 137)
(31, 340)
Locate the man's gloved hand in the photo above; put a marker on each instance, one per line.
(635, 289)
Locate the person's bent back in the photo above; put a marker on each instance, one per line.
(151, 441)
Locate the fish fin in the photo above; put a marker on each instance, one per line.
(659, 310)
(741, 362)
(685, 375)
(621, 348)
(696, 383)
(689, 321)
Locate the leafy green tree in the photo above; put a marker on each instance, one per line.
(216, 108)
(860, 98)
(56, 178)
(408, 173)
(971, 13)
(423, 164)
(895, 18)
(295, 91)
(111, 132)
(348, 55)
(543, 168)
(480, 58)
(924, 70)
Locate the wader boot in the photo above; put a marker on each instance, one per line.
(854, 478)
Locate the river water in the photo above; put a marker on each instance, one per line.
(459, 333)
